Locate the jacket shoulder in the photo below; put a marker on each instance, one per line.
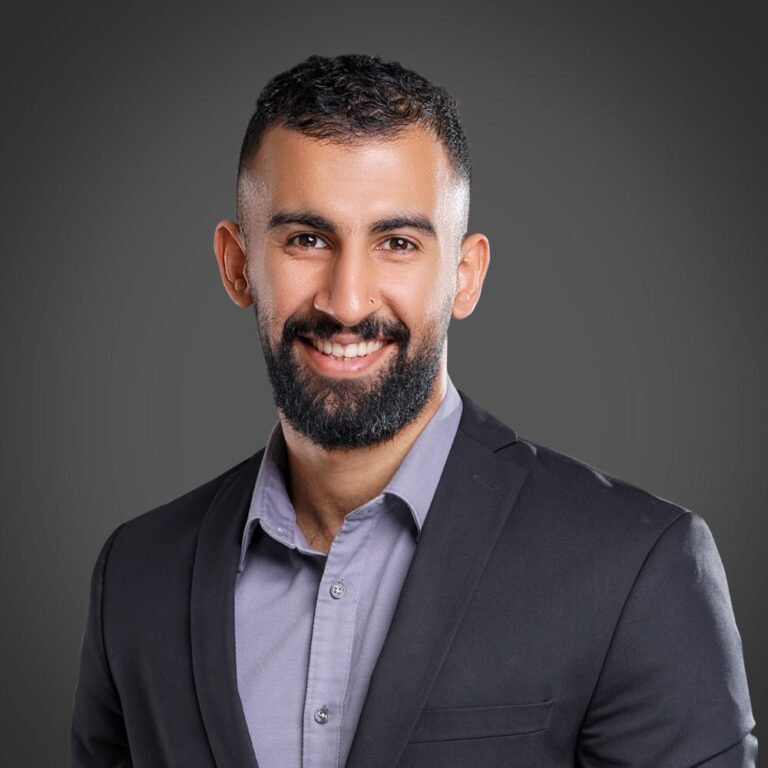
(589, 511)
(564, 492)
(171, 526)
(594, 487)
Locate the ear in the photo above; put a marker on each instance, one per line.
(229, 247)
(470, 274)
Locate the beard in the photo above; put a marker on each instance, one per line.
(339, 413)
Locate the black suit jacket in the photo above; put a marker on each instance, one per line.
(552, 616)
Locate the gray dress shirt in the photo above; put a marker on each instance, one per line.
(309, 626)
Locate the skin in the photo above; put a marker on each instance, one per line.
(403, 273)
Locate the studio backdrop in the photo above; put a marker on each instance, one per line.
(619, 171)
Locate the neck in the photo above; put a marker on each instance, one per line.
(326, 485)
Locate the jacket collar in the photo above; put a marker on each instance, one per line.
(472, 501)
(212, 619)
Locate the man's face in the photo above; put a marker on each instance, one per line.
(352, 255)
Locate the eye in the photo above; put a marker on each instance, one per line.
(308, 240)
(398, 244)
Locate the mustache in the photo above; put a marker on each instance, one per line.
(324, 327)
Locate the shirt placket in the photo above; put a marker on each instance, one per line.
(333, 632)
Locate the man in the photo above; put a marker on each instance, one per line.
(398, 579)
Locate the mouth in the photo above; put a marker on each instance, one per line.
(355, 349)
(334, 358)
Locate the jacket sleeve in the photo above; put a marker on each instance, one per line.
(98, 736)
(673, 690)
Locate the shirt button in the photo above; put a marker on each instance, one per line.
(338, 590)
(322, 715)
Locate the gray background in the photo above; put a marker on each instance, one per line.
(620, 163)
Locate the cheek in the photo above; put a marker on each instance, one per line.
(422, 296)
(293, 283)
(282, 288)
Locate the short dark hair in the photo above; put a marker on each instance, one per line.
(350, 97)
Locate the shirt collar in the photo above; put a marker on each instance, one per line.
(414, 482)
(416, 479)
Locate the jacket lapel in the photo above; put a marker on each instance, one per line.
(471, 504)
(212, 619)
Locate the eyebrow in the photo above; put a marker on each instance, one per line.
(305, 218)
(420, 223)
(315, 221)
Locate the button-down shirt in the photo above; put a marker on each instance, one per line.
(309, 626)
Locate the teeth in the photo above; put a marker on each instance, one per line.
(346, 350)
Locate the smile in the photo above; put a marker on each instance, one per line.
(360, 349)
(331, 358)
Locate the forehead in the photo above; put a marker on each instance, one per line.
(351, 183)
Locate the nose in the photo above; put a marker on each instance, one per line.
(348, 292)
